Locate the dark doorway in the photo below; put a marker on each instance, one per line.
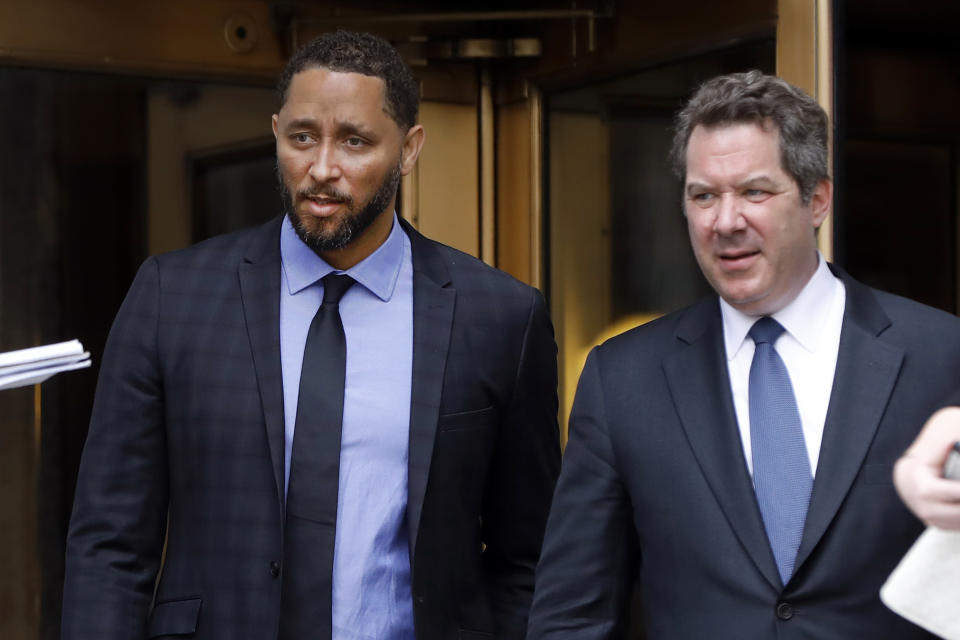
(897, 145)
(80, 157)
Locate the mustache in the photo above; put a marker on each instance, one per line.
(325, 191)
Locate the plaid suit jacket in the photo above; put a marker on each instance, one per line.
(186, 448)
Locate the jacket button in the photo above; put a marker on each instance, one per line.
(784, 611)
(274, 568)
(419, 599)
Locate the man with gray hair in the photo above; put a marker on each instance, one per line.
(733, 459)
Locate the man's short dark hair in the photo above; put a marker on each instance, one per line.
(754, 97)
(365, 53)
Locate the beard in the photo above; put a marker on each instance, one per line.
(343, 230)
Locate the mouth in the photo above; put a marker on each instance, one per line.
(322, 206)
(738, 260)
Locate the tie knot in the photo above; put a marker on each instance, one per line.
(766, 329)
(334, 286)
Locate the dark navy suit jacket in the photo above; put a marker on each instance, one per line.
(187, 437)
(655, 491)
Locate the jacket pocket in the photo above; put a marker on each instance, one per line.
(466, 419)
(174, 618)
(877, 473)
(475, 635)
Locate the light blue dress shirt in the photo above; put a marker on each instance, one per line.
(371, 566)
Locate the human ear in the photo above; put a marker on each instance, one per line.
(820, 201)
(412, 144)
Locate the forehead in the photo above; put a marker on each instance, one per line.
(320, 89)
(733, 148)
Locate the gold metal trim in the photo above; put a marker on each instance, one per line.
(536, 186)
(824, 75)
(488, 151)
(462, 16)
(804, 43)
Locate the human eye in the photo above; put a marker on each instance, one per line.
(300, 138)
(355, 142)
(756, 195)
(702, 198)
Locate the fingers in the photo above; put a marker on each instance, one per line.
(937, 437)
(942, 514)
(933, 499)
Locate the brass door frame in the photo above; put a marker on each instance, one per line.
(804, 58)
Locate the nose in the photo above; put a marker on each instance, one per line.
(325, 164)
(729, 215)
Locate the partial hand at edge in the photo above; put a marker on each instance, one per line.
(918, 474)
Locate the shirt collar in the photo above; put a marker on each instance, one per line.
(378, 272)
(802, 318)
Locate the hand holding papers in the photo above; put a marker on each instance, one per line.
(31, 366)
(925, 586)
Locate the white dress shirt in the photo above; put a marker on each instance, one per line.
(808, 347)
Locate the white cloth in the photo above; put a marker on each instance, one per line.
(808, 347)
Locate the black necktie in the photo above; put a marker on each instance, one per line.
(311, 507)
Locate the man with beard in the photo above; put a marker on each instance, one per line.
(733, 460)
(340, 428)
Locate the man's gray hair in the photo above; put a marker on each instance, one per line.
(767, 101)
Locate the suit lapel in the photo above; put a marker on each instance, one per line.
(260, 293)
(433, 304)
(700, 387)
(867, 369)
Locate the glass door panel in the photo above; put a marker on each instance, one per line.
(79, 212)
(619, 254)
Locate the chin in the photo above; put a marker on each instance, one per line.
(737, 290)
(320, 226)
(752, 302)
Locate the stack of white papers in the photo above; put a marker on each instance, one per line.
(31, 366)
(925, 586)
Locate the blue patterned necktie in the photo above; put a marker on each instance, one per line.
(781, 468)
